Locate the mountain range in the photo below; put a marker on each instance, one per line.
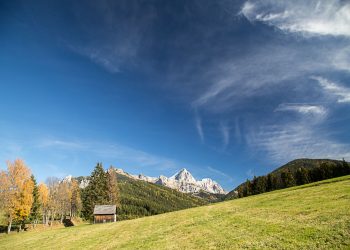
(182, 181)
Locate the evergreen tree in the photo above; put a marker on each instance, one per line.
(35, 210)
(247, 190)
(271, 182)
(254, 185)
(301, 176)
(261, 184)
(287, 179)
(96, 193)
(345, 168)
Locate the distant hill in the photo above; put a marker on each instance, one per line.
(292, 166)
(305, 163)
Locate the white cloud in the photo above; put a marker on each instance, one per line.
(295, 140)
(115, 41)
(61, 144)
(261, 71)
(250, 173)
(218, 172)
(332, 88)
(305, 109)
(113, 152)
(341, 59)
(225, 132)
(199, 128)
(110, 59)
(311, 17)
(237, 131)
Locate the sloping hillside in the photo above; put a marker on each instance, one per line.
(305, 163)
(313, 216)
(141, 198)
(292, 167)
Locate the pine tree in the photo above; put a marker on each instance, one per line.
(261, 184)
(345, 167)
(271, 182)
(96, 193)
(35, 210)
(301, 176)
(254, 186)
(247, 190)
(287, 179)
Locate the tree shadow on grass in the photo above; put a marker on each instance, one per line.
(68, 223)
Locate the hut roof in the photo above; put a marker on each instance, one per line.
(105, 209)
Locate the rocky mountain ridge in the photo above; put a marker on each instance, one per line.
(182, 181)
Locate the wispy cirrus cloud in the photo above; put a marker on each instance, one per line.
(116, 41)
(225, 132)
(306, 17)
(305, 109)
(199, 127)
(220, 173)
(113, 152)
(331, 88)
(295, 140)
(341, 59)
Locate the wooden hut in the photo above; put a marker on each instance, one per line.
(105, 213)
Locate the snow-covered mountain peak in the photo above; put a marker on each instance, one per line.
(183, 176)
(67, 179)
(182, 181)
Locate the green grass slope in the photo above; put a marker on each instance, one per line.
(313, 216)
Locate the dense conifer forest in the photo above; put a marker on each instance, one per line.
(294, 173)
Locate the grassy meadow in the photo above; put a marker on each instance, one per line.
(314, 216)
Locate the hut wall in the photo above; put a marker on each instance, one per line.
(104, 218)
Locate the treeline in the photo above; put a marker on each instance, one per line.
(287, 178)
(23, 201)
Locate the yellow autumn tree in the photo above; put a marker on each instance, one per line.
(44, 200)
(16, 192)
(75, 206)
(64, 198)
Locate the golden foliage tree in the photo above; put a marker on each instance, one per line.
(16, 192)
(44, 200)
(75, 205)
(113, 190)
(53, 201)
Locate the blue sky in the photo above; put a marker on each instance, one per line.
(227, 89)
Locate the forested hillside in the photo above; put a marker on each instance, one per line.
(294, 173)
(140, 198)
(305, 163)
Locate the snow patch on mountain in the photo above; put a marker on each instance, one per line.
(183, 181)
